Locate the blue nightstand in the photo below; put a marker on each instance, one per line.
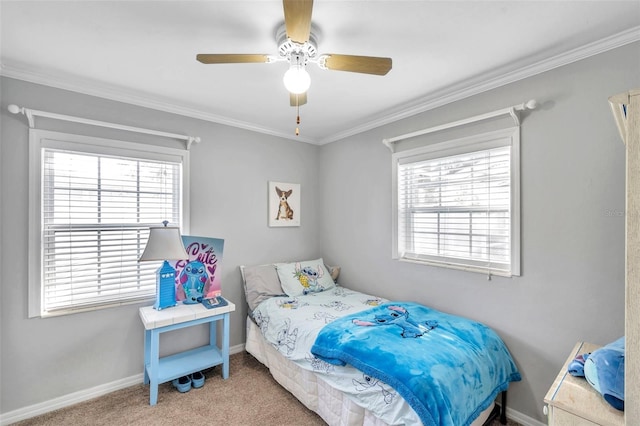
(159, 370)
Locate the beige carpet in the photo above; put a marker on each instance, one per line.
(249, 397)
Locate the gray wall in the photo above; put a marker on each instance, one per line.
(572, 287)
(47, 358)
(572, 192)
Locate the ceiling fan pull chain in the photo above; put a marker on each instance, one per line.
(298, 124)
(298, 116)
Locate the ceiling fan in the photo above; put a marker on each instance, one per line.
(297, 45)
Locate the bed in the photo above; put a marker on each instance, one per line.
(298, 324)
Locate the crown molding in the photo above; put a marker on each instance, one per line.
(93, 88)
(463, 90)
(501, 77)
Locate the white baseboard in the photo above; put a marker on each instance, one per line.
(80, 396)
(67, 400)
(523, 419)
(84, 395)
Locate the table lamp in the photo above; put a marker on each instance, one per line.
(164, 243)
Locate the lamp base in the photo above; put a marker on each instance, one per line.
(165, 287)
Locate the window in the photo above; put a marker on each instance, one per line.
(457, 203)
(92, 203)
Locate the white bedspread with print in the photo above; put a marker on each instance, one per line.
(291, 325)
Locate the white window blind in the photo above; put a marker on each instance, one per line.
(96, 210)
(455, 206)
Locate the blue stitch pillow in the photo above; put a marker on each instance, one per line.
(306, 277)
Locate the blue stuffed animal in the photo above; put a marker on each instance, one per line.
(604, 371)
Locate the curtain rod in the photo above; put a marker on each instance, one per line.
(531, 104)
(32, 113)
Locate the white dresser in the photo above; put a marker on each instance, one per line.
(571, 401)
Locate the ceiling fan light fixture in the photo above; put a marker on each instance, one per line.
(296, 79)
(297, 45)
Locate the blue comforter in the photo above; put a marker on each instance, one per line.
(448, 368)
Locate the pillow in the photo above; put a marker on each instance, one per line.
(334, 271)
(306, 277)
(260, 283)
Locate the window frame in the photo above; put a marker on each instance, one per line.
(483, 141)
(39, 140)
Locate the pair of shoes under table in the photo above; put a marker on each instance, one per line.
(184, 383)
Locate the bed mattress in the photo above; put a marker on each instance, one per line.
(333, 406)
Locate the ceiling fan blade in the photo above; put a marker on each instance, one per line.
(361, 64)
(302, 99)
(223, 58)
(297, 19)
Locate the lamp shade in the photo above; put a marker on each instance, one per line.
(164, 243)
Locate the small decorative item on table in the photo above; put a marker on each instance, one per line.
(214, 302)
(198, 274)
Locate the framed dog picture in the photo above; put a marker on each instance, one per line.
(284, 204)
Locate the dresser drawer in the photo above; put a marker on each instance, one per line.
(558, 417)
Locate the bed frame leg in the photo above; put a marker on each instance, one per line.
(499, 411)
(503, 411)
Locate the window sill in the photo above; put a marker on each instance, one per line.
(468, 268)
(68, 311)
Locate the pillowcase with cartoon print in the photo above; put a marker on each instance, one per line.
(299, 278)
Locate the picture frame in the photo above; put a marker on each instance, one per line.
(284, 204)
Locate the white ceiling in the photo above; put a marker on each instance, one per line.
(143, 52)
